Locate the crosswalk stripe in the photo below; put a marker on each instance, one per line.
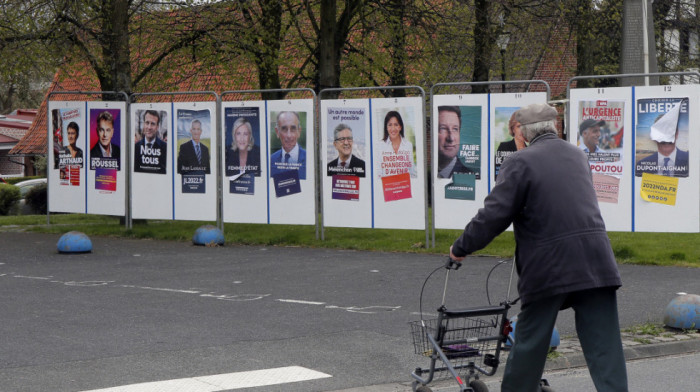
(222, 382)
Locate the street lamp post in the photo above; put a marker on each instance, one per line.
(502, 43)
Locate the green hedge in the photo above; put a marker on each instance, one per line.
(36, 198)
(9, 195)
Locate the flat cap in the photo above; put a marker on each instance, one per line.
(537, 112)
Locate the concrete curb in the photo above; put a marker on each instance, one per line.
(641, 351)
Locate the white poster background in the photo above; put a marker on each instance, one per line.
(238, 207)
(62, 197)
(684, 217)
(404, 213)
(346, 213)
(196, 206)
(298, 208)
(100, 201)
(151, 193)
(454, 213)
(617, 217)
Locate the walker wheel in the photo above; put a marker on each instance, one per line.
(423, 388)
(478, 386)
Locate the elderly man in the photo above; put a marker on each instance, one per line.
(346, 163)
(291, 156)
(564, 257)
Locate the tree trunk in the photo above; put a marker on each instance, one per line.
(268, 71)
(115, 72)
(482, 46)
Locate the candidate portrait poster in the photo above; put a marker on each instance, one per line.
(68, 143)
(662, 137)
(600, 130)
(105, 147)
(396, 150)
(193, 148)
(242, 148)
(505, 140)
(150, 141)
(288, 151)
(345, 150)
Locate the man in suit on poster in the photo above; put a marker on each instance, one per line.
(291, 156)
(668, 160)
(151, 153)
(346, 163)
(193, 157)
(104, 148)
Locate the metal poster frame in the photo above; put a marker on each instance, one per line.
(316, 147)
(125, 97)
(425, 143)
(217, 99)
(624, 76)
(437, 86)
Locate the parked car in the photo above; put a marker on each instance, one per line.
(24, 188)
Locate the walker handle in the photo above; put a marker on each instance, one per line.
(452, 264)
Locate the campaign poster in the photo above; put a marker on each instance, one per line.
(288, 130)
(467, 161)
(507, 136)
(662, 137)
(105, 148)
(600, 134)
(396, 161)
(151, 141)
(459, 140)
(193, 149)
(67, 139)
(242, 148)
(345, 127)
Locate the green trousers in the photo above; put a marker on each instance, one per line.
(598, 331)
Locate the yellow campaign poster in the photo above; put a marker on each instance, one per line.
(659, 189)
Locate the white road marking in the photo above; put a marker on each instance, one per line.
(298, 301)
(222, 382)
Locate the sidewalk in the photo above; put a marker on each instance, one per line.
(568, 355)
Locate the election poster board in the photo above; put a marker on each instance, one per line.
(194, 157)
(67, 158)
(106, 174)
(291, 162)
(461, 168)
(346, 169)
(244, 154)
(151, 170)
(666, 159)
(598, 120)
(398, 126)
(505, 135)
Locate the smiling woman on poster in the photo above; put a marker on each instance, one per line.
(396, 152)
(243, 156)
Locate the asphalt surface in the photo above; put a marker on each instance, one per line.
(135, 311)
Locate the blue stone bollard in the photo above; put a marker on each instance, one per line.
(683, 312)
(554, 342)
(208, 235)
(74, 242)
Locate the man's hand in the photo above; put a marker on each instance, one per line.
(455, 258)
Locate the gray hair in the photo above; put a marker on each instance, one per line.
(340, 128)
(531, 131)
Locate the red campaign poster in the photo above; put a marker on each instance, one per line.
(346, 187)
(397, 187)
(106, 179)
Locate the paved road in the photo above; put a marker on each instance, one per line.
(136, 311)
